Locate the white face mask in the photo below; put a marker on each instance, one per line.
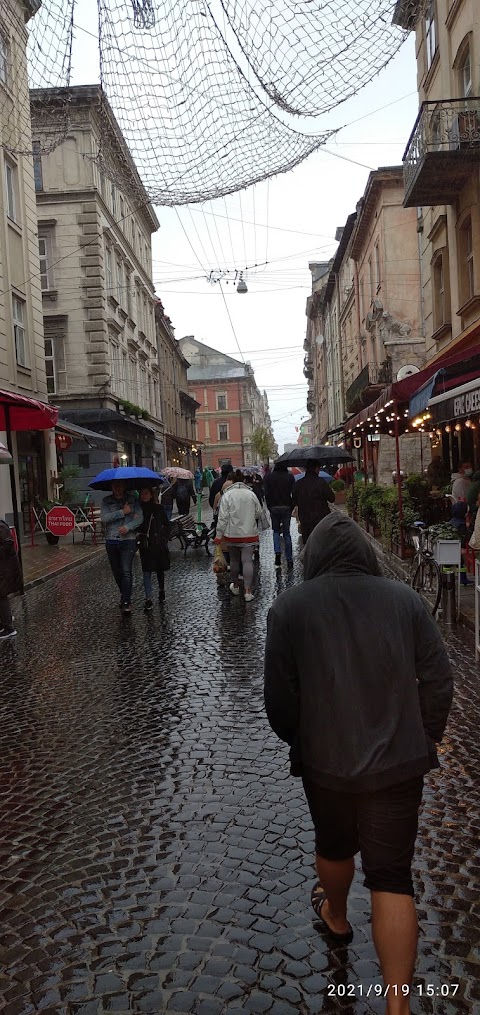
(467, 473)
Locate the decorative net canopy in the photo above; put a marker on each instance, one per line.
(208, 93)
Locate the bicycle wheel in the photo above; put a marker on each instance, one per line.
(427, 581)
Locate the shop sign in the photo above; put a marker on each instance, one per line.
(469, 402)
(63, 441)
(465, 404)
(60, 521)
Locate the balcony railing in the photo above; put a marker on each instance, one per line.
(363, 389)
(442, 151)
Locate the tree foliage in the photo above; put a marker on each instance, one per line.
(263, 443)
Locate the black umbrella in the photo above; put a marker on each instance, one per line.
(325, 453)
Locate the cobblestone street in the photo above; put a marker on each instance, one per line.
(156, 855)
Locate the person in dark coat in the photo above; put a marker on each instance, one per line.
(358, 683)
(279, 486)
(184, 493)
(153, 542)
(218, 483)
(311, 496)
(10, 580)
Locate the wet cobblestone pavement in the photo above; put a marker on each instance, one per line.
(155, 854)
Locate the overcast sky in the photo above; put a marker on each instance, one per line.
(302, 210)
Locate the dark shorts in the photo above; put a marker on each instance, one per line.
(382, 826)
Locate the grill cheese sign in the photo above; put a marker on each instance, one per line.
(466, 403)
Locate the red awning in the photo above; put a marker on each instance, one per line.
(401, 391)
(26, 413)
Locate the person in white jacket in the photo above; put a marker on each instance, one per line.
(237, 525)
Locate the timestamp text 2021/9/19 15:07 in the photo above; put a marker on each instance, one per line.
(382, 990)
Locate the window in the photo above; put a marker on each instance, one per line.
(370, 278)
(377, 266)
(128, 287)
(361, 286)
(84, 460)
(19, 333)
(37, 166)
(122, 212)
(441, 290)
(430, 32)
(466, 263)
(50, 366)
(11, 189)
(108, 271)
(222, 431)
(45, 259)
(113, 198)
(3, 59)
(465, 73)
(119, 272)
(221, 401)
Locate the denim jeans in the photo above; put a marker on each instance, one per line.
(120, 554)
(281, 521)
(147, 583)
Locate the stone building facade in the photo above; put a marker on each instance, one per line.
(178, 406)
(231, 405)
(22, 361)
(442, 167)
(95, 224)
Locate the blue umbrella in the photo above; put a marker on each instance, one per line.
(133, 476)
(325, 475)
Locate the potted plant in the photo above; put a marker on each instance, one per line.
(446, 543)
(339, 488)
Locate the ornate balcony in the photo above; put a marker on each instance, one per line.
(442, 152)
(308, 368)
(367, 385)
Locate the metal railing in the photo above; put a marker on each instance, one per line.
(372, 375)
(446, 126)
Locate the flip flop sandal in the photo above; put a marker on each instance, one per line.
(318, 897)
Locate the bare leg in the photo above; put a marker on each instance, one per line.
(395, 936)
(335, 877)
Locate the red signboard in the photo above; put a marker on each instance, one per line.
(60, 521)
(63, 441)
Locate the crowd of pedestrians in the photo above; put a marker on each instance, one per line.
(362, 717)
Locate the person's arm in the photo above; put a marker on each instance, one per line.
(110, 514)
(212, 494)
(135, 518)
(222, 518)
(327, 490)
(434, 674)
(281, 684)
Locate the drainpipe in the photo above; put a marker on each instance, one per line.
(359, 322)
(399, 480)
(419, 242)
(241, 422)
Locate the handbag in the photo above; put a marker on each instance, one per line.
(264, 520)
(219, 565)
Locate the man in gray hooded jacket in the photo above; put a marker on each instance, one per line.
(358, 683)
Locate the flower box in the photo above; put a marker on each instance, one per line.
(447, 551)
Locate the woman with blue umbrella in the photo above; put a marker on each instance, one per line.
(122, 516)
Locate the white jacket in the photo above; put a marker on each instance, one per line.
(237, 516)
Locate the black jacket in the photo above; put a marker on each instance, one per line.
(311, 496)
(279, 486)
(10, 573)
(153, 538)
(357, 679)
(184, 492)
(217, 485)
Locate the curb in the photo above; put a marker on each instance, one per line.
(60, 570)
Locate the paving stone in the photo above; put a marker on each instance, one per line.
(155, 853)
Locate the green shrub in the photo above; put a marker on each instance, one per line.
(338, 485)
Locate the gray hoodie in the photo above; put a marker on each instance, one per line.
(357, 679)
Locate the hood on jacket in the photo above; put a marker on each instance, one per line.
(337, 545)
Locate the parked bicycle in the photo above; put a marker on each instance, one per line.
(425, 574)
